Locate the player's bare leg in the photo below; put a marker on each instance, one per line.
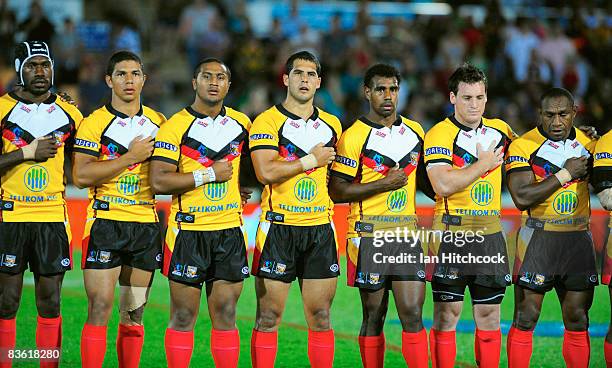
(575, 307)
(409, 298)
(222, 297)
(49, 322)
(184, 308)
(527, 308)
(10, 297)
(271, 298)
(317, 297)
(374, 305)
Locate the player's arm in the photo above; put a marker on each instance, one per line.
(165, 178)
(526, 192)
(39, 150)
(422, 179)
(447, 180)
(269, 169)
(88, 171)
(341, 190)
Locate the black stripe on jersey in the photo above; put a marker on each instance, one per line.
(86, 151)
(518, 169)
(275, 148)
(12, 132)
(542, 167)
(341, 175)
(435, 160)
(290, 115)
(164, 159)
(106, 141)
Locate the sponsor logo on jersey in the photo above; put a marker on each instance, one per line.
(437, 150)
(305, 190)
(512, 159)
(397, 200)
(346, 161)
(166, 146)
(565, 203)
(482, 193)
(128, 184)
(234, 148)
(36, 178)
(256, 137)
(215, 191)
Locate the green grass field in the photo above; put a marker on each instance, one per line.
(292, 335)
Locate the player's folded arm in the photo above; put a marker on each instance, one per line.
(446, 180)
(525, 191)
(89, 171)
(165, 179)
(269, 169)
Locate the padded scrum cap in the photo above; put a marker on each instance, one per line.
(26, 50)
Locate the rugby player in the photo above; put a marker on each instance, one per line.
(547, 169)
(37, 130)
(197, 159)
(292, 144)
(463, 154)
(376, 170)
(122, 238)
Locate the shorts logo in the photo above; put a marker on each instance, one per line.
(267, 266)
(234, 148)
(482, 193)
(192, 272)
(128, 184)
(360, 278)
(508, 278)
(178, 270)
(305, 190)
(374, 278)
(91, 257)
(539, 279)
(245, 270)
(565, 203)
(215, 191)
(36, 178)
(158, 257)
(334, 267)
(526, 277)
(104, 256)
(10, 260)
(280, 268)
(421, 274)
(65, 262)
(446, 297)
(397, 200)
(453, 273)
(593, 278)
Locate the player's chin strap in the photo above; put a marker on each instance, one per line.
(132, 298)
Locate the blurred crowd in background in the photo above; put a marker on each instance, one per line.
(522, 55)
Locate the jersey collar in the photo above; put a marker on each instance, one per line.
(118, 113)
(461, 126)
(203, 116)
(313, 117)
(48, 101)
(374, 125)
(571, 136)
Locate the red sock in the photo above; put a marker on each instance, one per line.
(519, 348)
(93, 346)
(263, 348)
(49, 336)
(608, 354)
(129, 345)
(372, 349)
(414, 349)
(488, 348)
(225, 348)
(443, 348)
(8, 334)
(179, 346)
(576, 349)
(321, 348)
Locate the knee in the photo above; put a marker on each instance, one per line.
(9, 304)
(226, 314)
(48, 306)
(576, 319)
(411, 317)
(319, 318)
(527, 318)
(446, 319)
(183, 319)
(268, 320)
(131, 304)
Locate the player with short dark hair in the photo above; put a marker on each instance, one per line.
(292, 145)
(464, 153)
(122, 238)
(37, 131)
(197, 159)
(547, 177)
(377, 169)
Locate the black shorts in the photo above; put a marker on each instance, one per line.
(284, 252)
(109, 244)
(45, 246)
(195, 257)
(560, 259)
(444, 293)
(493, 272)
(371, 271)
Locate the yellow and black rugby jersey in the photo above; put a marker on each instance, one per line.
(302, 200)
(450, 142)
(106, 134)
(366, 152)
(567, 209)
(602, 164)
(34, 191)
(193, 141)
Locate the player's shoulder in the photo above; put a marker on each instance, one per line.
(414, 125)
(99, 116)
(155, 116)
(442, 130)
(499, 124)
(604, 143)
(330, 119)
(70, 109)
(180, 117)
(358, 130)
(530, 140)
(584, 139)
(240, 117)
(7, 102)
